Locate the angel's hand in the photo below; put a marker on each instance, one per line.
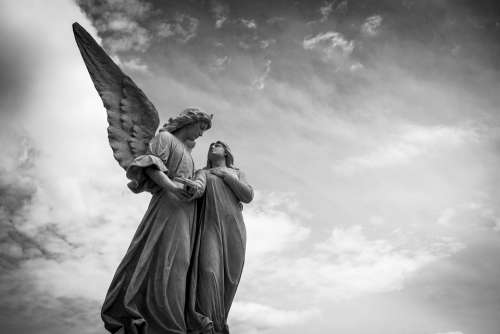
(195, 190)
(179, 192)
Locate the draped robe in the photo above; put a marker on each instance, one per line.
(148, 292)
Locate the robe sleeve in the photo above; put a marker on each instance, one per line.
(240, 187)
(157, 157)
(200, 177)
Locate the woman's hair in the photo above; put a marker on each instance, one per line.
(186, 117)
(227, 153)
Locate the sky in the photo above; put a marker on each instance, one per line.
(368, 129)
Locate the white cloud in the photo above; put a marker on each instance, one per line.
(220, 12)
(265, 43)
(446, 216)
(78, 220)
(219, 64)
(346, 265)
(120, 20)
(356, 66)
(249, 23)
(326, 10)
(411, 142)
(183, 27)
(272, 225)
(371, 25)
(349, 264)
(253, 318)
(332, 46)
(452, 332)
(136, 65)
(259, 83)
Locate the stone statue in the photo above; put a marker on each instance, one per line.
(220, 247)
(148, 292)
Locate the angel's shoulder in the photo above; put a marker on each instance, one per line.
(165, 137)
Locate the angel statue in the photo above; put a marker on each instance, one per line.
(148, 292)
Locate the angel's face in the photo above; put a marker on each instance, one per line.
(195, 130)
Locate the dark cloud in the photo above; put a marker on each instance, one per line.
(425, 38)
(17, 188)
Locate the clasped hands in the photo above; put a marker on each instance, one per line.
(186, 194)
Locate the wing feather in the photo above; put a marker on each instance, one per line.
(132, 118)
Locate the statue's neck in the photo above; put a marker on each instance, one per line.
(219, 163)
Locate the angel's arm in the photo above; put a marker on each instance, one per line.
(161, 179)
(239, 186)
(200, 179)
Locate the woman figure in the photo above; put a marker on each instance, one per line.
(221, 240)
(148, 292)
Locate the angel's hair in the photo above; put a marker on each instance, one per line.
(186, 117)
(227, 153)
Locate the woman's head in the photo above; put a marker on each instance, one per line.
(219, 151)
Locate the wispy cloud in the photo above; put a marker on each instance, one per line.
(136, 65)
(219, 64)
(220, 11)
(121, 20)
(182, 27)
(249, 23)
(326, 10)
(371, 25)
(332, 46)
(259, 83)
(410, 143)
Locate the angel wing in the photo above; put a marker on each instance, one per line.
(132, 118)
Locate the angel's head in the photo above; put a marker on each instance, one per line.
(189, 125)
(219, 151)
(186, 117)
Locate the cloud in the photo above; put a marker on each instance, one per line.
(249, 23)
(182, 27)
(326, 10)
(452, 332)
(253, 318)
(411, 142)
(332, 47)
(67, 216)
(271, 225)
(446, 216)
(265, 43)
(371, 25)
(219, 64)
(349, 264)
(345, 265)
(259, 83)
(57, 224)
(136, 65)
(121, 21)
(220, 11)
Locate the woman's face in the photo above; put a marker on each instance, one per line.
(216, 151)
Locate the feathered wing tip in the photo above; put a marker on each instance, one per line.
(132, 118)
